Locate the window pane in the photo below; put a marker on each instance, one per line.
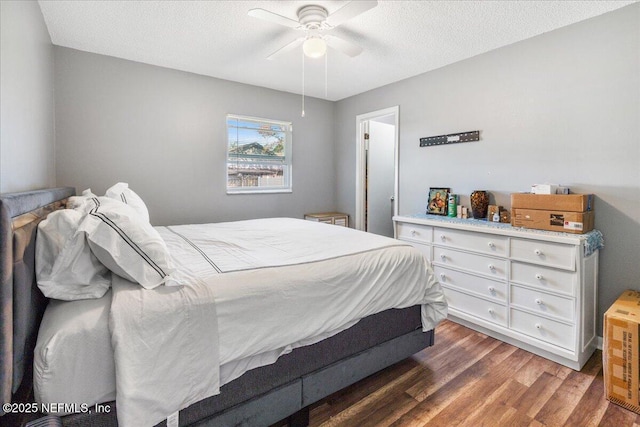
(255, 175)
(260, 141)
(257, 155)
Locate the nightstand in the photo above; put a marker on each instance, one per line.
(336, 218)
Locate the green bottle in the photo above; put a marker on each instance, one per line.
(452, 205)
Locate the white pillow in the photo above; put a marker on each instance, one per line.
(65, 267)
(76, 202)
(123, 193)
(124, 243)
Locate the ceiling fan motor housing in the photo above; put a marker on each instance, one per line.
(313, 17)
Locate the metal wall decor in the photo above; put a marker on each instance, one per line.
(452, 138)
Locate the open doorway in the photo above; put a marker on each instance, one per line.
(377, 171)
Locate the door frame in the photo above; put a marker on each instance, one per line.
(361, 155)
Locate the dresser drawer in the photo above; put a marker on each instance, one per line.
(487, 310)
(544, 253)
(549, 279)
(543, 303)
(414, 232)
(556, 333)
(483, 287)
(478, 242)
(492, 267)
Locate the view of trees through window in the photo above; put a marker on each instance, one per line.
(257, 154)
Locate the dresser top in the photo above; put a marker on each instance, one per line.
(592, 240)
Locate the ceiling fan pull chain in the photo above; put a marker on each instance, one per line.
(326, 81)
(302, 115)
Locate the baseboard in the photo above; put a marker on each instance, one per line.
(599, 343)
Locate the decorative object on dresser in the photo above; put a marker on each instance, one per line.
(505, 216)
(479, 204)
(533, 289)
(494, 213)
(336, 218)
(438, 199)
(452, 205)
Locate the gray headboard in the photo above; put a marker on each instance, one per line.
(21, 302)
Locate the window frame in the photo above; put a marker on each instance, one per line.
(287, 164)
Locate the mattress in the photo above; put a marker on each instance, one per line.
(74, 358)
(74, 361)
(267, 277)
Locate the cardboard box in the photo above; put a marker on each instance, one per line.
(620, 350)
(567, 222)
(553, 202)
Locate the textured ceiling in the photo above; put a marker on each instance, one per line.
(216, 38)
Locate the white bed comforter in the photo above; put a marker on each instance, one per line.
(258, 287)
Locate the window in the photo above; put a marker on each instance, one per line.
(258, 155)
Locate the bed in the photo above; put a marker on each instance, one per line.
(255, 381)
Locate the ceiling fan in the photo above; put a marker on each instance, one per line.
(314, 20)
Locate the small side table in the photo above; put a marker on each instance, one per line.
(336, 218)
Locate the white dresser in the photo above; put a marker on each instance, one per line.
(533, 289)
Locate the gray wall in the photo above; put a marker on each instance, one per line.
(562, 107)
(164, 132)
(26, 98)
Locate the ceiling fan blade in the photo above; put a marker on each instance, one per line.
(273, 17)
(286, 48)
(343, 46)
(350, 10)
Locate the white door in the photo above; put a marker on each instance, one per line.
(380, 178)
(377, 171)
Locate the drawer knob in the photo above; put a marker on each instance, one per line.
(414, 232)
(491, 245)
(491, 289)
(443, 257)
(443, 237)
(492, 267)
(539, 276)
(491, 311)
(538, 252)
(539, 301)
(538, 326)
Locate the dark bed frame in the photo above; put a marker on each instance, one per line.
(260, 397)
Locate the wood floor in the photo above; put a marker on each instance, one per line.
(469, 379)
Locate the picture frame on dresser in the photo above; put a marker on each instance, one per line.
(438, 199)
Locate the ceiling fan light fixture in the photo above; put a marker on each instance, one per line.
(314, 47)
